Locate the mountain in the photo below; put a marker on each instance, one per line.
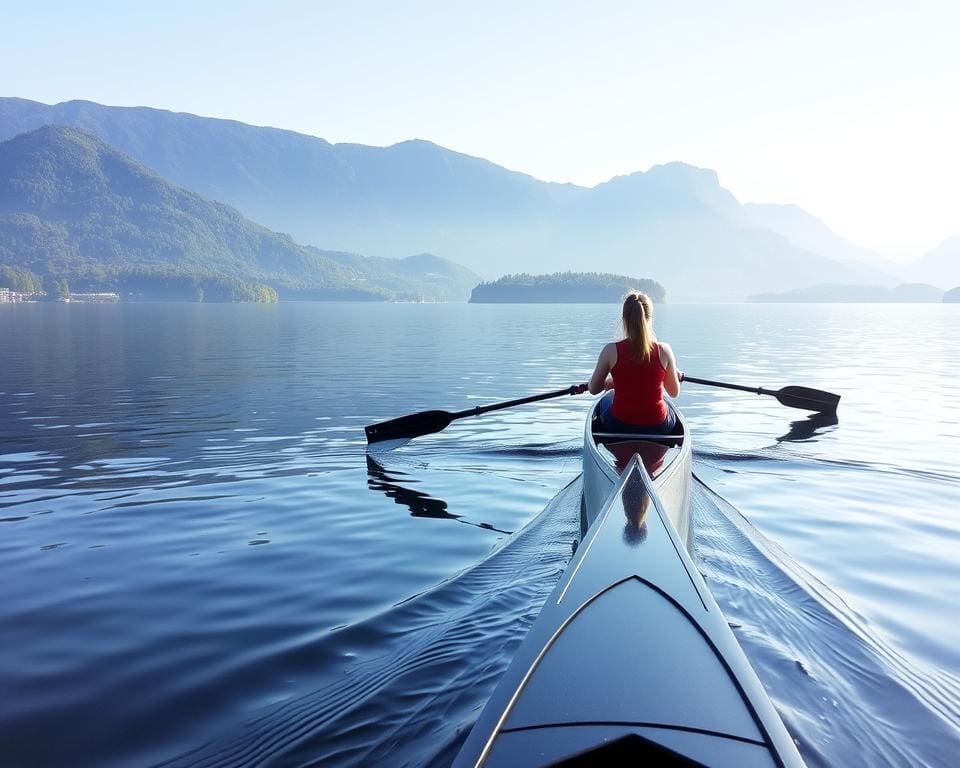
(674, 222)
(941, 266)
(808, 232)
(409, 198)
(73, 208)
(423, 276)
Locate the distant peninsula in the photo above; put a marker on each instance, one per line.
(564, 288)
(830, 293)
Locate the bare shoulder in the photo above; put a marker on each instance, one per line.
(666, 353)
(609, 353)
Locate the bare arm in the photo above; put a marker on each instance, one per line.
(671, 379)
(605, 363)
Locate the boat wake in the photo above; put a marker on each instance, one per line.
(406, 685)
(414, 678)
(788, 460)
(844, 694)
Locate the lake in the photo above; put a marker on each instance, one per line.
(200, 563)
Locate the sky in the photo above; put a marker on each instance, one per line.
(850, 110)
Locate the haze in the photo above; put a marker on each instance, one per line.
(847, 110)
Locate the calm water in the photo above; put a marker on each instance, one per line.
(201, 565)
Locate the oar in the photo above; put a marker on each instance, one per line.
(792, 397)
(428, 422)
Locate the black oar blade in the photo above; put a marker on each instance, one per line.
(808, 399)
(414, 425)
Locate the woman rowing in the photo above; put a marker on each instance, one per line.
(637, 369)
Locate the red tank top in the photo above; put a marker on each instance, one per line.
(638, 387)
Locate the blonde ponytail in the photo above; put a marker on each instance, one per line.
(638, 324)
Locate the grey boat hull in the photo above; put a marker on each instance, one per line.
(631, 661)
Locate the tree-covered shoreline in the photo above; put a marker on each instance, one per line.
(564, 288)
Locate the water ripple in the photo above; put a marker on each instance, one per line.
(430, 664)
(845, 694)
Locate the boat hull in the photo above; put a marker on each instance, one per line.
(631, 661)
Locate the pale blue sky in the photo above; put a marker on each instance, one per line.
(849, 110)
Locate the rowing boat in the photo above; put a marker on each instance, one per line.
(630, 660)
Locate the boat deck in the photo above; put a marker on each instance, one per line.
(630, 660)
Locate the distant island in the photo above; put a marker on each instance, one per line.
(564, 288)
(908, 293)
(952, 296)
(77, 216)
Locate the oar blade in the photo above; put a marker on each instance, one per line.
(413, 425)
(808, 399)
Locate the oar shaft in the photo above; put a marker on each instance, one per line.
(793, 397)
(428, 422)
(573, 389)
(725, 385)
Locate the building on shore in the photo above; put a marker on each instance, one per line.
(13, 297)
(88, 297)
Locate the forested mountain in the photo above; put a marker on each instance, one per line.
(564, 288)
(674, 222)
(422, 276)
(74, 209)
(410, 198)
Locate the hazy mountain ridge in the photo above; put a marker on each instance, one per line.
(699, 246)
(808, 232)
(674, 222)
(906, 293)
(940, 266)
(74, 208)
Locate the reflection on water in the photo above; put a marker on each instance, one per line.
(419, 504)
(651, 454)
(636, 503)
(806, 429)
